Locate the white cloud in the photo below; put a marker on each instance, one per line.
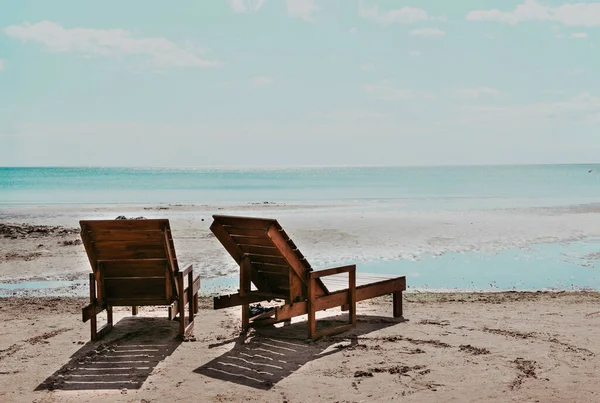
(386, 91)
(584, 108)
(243, 6)
(107, 42)
(356, 115)
(427, 32)
(261, 81)
(1, 64)
(302, 9)
(404, 15)
(366, 66)
(576, 72)
(414, 53)
(578, 35)
(571, 14)
(353, 30)
(475, 93)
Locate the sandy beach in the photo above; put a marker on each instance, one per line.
(451, 347)
(457, 347)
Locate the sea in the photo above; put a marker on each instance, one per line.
(541, 266)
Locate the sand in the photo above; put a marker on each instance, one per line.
(493, 347)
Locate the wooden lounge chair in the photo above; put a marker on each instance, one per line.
(134, 264)
(270, 260)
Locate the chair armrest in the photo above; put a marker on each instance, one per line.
(330, 272)
(188, 269)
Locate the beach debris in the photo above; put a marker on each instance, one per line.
(473, 350)
(526, 370)
(24, 231)
(70, 242)
(122, 217)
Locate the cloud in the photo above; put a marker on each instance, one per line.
(1, 64)
(366, 66)
(578, 35)
(356, 115)
(576, 72)
(302, 9)
(244, 6)
(571, 14)
(404, 15)
(427, 32)
(414, 53)
(261, 81)
(107, 42)
(475, 93)
(583, 108)
(386, 91)
(353, 30)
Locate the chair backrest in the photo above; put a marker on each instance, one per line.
(133, 260)
(277, 266)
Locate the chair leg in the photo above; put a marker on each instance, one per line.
(191, 296)
(94, 318)
(134, 310)
(181, 307)
(245, 317)
(397, 304)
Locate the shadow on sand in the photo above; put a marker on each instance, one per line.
(124, 360)
(273, 353)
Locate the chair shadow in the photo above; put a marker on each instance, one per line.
(123, 360)
(273, 353)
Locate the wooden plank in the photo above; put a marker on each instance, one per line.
(281, 268)
(260, 250)
(229, 244)
(332, 271)
(124, 235)
(171, 287)
(332, 300)
(267, 274)
(380, 288)
(135, 288)
(289, 311)
(243, 231)
(129, 250)
(248, 240)
(296, 263)
(248, 222)
(135, 268)
(226, 301)
(90, 311)
(140, 301)
(120, 225)
(279, 260)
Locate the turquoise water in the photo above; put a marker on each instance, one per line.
(572, 265)
(418, 188)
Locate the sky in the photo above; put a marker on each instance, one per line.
(298, 82)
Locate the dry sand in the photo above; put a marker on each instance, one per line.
(450, 347)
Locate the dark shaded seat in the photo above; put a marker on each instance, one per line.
(270, 261)
(134, 264)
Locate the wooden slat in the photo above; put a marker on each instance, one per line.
(229, 244)
(226, 301)
(256, 241)
(134, 288)
(249, 222)
(265, 273)
(298, 264)
(332, 271)
(289, 311)
(242, 231)
(152, 249)
(135, 268)
(281, 268)
(141, 301)
(139, 225)
(268, 259)
(260, 250)
(124, 235)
